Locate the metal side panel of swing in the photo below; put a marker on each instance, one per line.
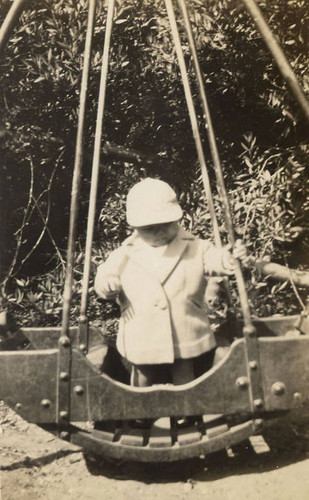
(28, 382)
(285, 372)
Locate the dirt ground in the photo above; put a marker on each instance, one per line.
(36, 465)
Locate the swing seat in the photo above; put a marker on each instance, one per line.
(220, 398)
(49, 379)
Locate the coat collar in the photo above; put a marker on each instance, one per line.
(135, 249)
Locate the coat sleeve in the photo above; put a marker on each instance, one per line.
(113, 266)
(217, 261)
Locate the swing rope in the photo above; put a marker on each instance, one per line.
(67, 294)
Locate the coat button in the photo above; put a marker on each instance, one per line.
(163, 306)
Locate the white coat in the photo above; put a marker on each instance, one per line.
(163, 315)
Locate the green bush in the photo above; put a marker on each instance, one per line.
(260, 131)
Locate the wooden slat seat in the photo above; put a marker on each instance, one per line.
(259, 444)
(188, 435)
(133, 436)
(217, 431)
(160, 445)
(161, 433)
(107, 430)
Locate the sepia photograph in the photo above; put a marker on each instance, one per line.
(154, 256)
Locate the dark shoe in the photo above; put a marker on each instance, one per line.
(141, 423)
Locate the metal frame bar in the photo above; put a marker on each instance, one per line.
(64, 359)
(76, 182)
(10, 22)
(193, 120)
(206, 114)
(96, 158)
(249, 331)
(65, 352)
(278, 55)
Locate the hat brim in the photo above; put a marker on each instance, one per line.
(173, 214)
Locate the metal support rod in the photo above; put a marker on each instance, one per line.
(229, 222)
(96, 159)
(67, 294)
(65, 351)
(255, 389)
(193, 120)
(10, 22)
(207, 119)
(278, 54)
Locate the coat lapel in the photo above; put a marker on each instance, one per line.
(172, 255)
(135, 249)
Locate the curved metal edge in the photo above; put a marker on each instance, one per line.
(103, 398)
(10, 22)
(96, 446)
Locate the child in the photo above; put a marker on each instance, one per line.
(158, 276)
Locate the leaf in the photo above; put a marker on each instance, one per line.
(248, 162)
(18, 296)
(283, 286)
(267, 175)
(40, 79)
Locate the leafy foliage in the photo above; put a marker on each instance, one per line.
(261, 133)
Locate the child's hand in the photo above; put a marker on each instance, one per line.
(240, 252)
(110, 287)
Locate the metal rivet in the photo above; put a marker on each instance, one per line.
(242, 382)
(253, 365)
(83, 347)
(65, 341)
(64, 435)
(18, 406)
(297, 396)
(258, 423)
(79, 390)
(45, 403)
(258, 403)
(278, 388)
(249, 330)
(64, 376)
(64, 414)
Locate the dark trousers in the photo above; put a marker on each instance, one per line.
(180, 372)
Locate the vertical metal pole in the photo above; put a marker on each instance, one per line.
(278, 54)
(208, 123)
(96, 160)
(67, 294)
(228, 215)
(255, 389)
(64, 354)
(10, 21)
(193, 119)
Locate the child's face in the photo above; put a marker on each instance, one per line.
(158, 235)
